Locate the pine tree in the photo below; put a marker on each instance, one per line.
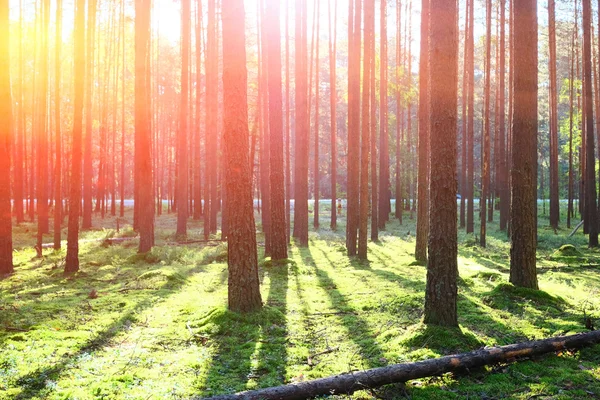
(524, 147)
(244, 290)
(442, 267)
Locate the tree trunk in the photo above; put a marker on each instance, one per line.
(244, 290)
(354, 43)
(58, 137)
(143, 134)
(471, 123)
(485, 172)
(89, 93)
(182, 133)
(423, 181)
(332, 105)
(369, 379)
(383, 208)
(553, 106)
(502, 170)
(442, 267)
(210, 174)
(369, 24)
(72, 259)
(6, 120)
(524, 147)
(590, 170)
(302, 129)
(278, 225)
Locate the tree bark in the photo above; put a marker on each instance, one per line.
(485, 172)
(554, 199)
(6, 120)
(383, 208)
(244, 290)
(143, 134)
(302, 129)
(369, 24)
(423, 181)
(278, 225)
(353, 201)
(369, 379)
(524, 147)
(442, 267)
(470, 48)
(72, 258)
(87, 155)
(590, 171)
(332, 106)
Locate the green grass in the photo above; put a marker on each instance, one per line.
(159, 327)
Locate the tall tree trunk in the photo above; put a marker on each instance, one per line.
(244, 290)
(553, 99)
(197, 176)
(502, 171)
(442, 267)
(354, 43)
(570, 210)
(265, 148)
(423, 181)
(471, 123)
(369, 25)
(19, 183)
(317, 177)
(288, 144)
(464, 124)
(524, 147)
(384, 155)
(182, 133)
(374, 212)
(278, 225)
(58, 137)
(72, 259)
(122, 172)
(302, 129)
(332, 105)
(399, 116)
(89, 93)
(143, 134)
(6, 120)
(485, 172)
(210, 190)
(590, 159)
(43, 128)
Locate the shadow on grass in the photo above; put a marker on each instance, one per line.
(250, 350)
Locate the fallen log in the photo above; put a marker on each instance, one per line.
(576, 229)
(348, 383)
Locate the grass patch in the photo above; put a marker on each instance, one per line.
(158, 326)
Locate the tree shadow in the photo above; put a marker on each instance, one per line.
(250, 350)
(356, 327)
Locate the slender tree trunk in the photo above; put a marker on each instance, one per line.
(58, 137)
(554, 199)
(244, 290)
(384, 155)
(369, 25)
(464, 124)
(471, 126)
(354, 43)
(485, 172)
(43, 128)
(423, 181)
(6, 121)
(374, 212)
(524, 147)
(182, 133)
(72, 259)
(399, 116)
(278, 225)
(317, 177)
(288, 144)
(210, 206)
(143, 134)
(332, 105)
(302, 129)
(122, 172)
(87, 155)
(265, 148)
(442, 267)
(502, 170)
(590, 171)
(19, 154)
(570, 211)
(197, 176)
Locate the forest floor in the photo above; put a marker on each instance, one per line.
(156, 326)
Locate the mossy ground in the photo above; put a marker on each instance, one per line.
(159, 327)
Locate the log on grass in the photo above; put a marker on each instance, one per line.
(350, 382)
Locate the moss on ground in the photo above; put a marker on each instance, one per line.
(159, 327)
